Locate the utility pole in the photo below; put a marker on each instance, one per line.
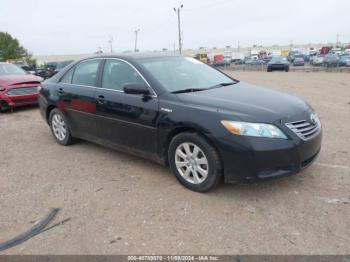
(177, 11)
(110, 41)
(337, 43)
(136, 32)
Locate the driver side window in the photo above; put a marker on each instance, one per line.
(117, 74)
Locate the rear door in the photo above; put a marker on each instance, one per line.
(125, 120)
(77, 97)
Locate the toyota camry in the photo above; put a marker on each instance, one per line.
(205, 125)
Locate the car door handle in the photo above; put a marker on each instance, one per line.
(101, 99)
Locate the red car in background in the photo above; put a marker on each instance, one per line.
(17, 87)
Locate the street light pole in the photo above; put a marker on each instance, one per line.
(136, 32)
(177, 11)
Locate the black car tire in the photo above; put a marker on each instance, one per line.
(269, 69)
(4, 106)
(287, 69)
(214, 163)
(68, 139)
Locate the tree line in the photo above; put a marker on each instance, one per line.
(12, 50)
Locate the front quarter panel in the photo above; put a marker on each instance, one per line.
(176, 115)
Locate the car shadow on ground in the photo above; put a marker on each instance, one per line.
(21, 109)
(261, 188)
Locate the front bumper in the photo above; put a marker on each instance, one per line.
(277, 66)
(17, 101)
(249, 159)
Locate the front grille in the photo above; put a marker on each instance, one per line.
(305, 129)
(22, 91)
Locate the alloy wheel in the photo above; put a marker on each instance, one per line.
(191, 163)
(59, 127)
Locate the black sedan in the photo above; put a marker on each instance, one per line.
(278, 63)
(183, 113)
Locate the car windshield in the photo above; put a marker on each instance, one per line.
(278, 59)
(10, 69)
(180, 73)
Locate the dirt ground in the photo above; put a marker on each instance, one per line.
(119, 204)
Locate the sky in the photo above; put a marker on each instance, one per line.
(53, 27)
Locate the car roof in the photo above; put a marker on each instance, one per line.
(137, 56)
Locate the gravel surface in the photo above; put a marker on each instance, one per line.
(114, 203)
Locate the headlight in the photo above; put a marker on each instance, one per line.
(253, 129)
(39, 88)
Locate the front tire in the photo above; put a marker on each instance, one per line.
(60, 128)
(195, 162)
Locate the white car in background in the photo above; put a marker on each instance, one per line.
(318, 60)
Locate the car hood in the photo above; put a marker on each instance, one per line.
(247, 102)
(9, 80)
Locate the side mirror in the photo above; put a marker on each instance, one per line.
(136, 89)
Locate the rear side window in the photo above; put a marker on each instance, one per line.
(67, 78)
(117, 74)
(85, 73)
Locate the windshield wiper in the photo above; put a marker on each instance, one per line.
(188, 90)
(222, 84)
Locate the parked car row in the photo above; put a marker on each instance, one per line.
(52, 68)
(45, 71)
(330, 57)
(331, 60)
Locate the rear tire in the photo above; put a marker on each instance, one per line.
(60, 128)
(195, 162)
